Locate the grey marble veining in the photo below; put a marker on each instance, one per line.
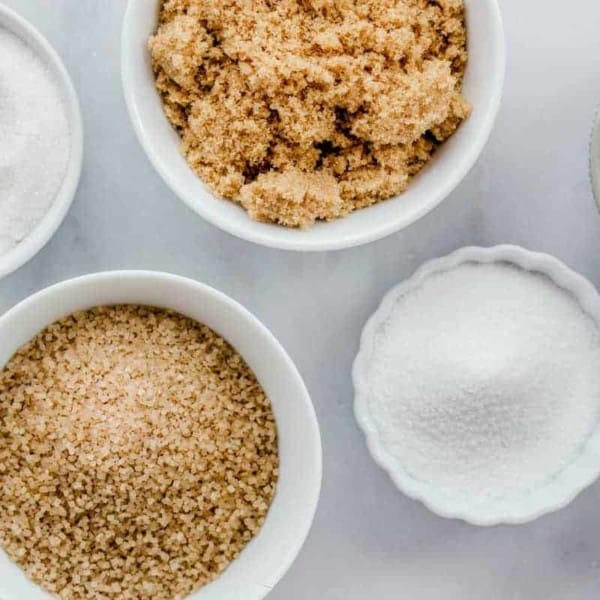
(531, 187)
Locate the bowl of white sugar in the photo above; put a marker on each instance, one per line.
(478, 385)
(42, 141)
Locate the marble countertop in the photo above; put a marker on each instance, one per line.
(531, 187)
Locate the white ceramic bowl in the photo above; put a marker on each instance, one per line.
(482, 86)
(264, 561)
(595, 158)
(553, 495)
(51, 221)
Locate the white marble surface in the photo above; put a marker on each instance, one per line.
(531, 187)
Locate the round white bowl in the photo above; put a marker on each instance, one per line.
(554, 494)
(266, 558)
(51, 221)
(482, 86)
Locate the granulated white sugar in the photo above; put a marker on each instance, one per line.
(34, 140)
(485, 381)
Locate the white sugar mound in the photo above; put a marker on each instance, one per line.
(485, 381)
(34, 140)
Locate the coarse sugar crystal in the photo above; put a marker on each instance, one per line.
(138, 455)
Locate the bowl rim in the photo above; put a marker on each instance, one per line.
(51, 221)
(293, 239)
(310, 500)
(594, 164)
(558, 491)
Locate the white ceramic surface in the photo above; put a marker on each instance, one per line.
(558, 491)
(46, 228)
(264, 561)
(482, 87)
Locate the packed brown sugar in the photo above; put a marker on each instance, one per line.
(305, 110)
(138, 455)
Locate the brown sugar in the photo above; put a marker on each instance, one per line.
(305, 110)
(138, 455)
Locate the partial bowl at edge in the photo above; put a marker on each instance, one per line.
(482, 86)
(51, 221)
(267, 557)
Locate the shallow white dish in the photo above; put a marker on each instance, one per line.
(51, 221)
(557, 492)
(264, 561)
(482, 87)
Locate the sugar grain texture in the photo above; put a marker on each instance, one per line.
(484, 382)
(138, 455)
(34, 140)
(306, 110)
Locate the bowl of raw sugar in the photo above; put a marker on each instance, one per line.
(287, 192)
(226, 463)
(477, 385)
(42, 141)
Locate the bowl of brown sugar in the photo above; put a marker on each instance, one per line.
(156, 441)
(313, 124)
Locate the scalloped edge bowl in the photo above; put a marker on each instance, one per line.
(51, 221)
(558, 491)
(484, 80)
(264, 561)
